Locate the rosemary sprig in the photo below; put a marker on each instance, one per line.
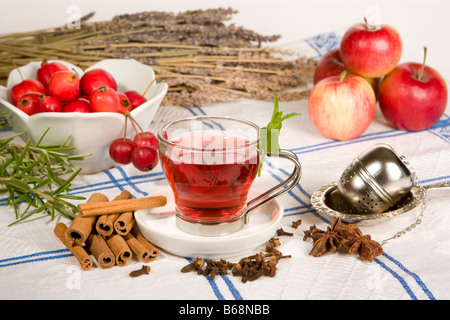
(37, 177)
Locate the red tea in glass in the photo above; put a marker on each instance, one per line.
(211, 176)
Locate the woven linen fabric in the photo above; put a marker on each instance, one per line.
(35, 265)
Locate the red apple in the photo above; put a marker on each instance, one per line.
(26, 86)
(369, 51)
(342, 108)
(413, 96)
(331, 65)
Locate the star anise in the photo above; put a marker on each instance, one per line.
(342, 235)
(327, 241)
(367, 248)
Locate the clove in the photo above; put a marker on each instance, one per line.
(144, 270)
(275, 242)
(296, 224)
(281, 232)
(196, 265)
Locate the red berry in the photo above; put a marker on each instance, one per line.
(64, 86)
(47, 69)
(146, 139)
(77, 105)
(49, 104)
(29, 103)
(144, 158)
(121, 149)
(105, 99)
(96, 78)
(26, 86)
(135, 98)
(124, 103)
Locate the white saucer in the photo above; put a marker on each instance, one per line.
(158, 225)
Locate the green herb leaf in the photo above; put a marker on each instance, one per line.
(39, 176)
(270, 135)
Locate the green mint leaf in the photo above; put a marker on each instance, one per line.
(270, 135)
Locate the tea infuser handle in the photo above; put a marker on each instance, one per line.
(442, 185)
(275, 192)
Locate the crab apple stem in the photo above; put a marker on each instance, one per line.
(420, 75)
(148, 87)
(342, 76)
(132, 119)
(125, 131)
(134, 123)
(17, 68)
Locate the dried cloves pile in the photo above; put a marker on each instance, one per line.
(196, 53)
(346, 236)
(249, 268)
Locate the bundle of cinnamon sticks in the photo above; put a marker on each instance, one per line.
(106, 230)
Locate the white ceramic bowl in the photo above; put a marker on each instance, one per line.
(90, 133)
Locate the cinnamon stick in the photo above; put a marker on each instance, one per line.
(154, 252)
(105, 223)
(143, 253)
(120, 249)
(78, 251)
(121, 206)
(100, 250)
(82, 226)
(124, 223)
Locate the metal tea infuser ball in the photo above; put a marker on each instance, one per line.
(376, 180)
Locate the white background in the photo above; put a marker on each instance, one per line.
(419, 23)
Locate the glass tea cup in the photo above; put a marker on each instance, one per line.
(211, 163)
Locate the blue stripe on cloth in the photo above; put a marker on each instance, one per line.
(130, 182)
(322, 43)
(398, 277)
(35, 257)
(413, 275)
(233, 290)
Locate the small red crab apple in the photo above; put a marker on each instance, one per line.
(125, 104)
(47, 69)
(144, 158)
(105, 99)
(29, 103)
(25, 86)
(96, 78)
(146, 139)
(77, 105)
(121, 150)
(49, 104)
(64, 86)
(136, 98)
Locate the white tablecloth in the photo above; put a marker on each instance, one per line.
(35, 265)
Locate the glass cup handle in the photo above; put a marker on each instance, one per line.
(279, 189)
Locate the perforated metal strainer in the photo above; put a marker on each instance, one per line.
(375, 181)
